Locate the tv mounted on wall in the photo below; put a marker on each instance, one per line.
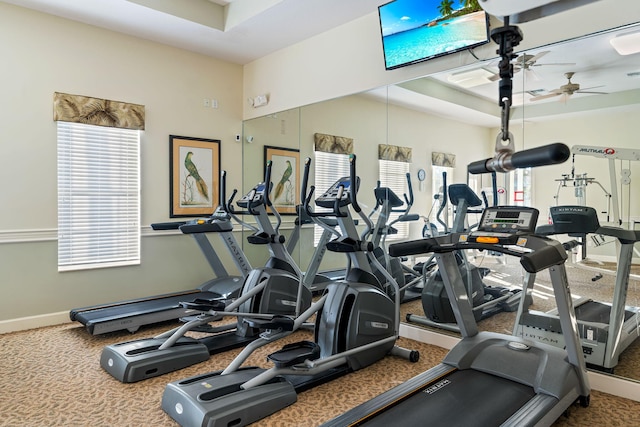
(416, 30)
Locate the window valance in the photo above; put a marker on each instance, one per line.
(394, 153)
(443, 159)
(96, 111)
(332, 144)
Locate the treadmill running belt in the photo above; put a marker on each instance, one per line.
(131, 309)
(593, 311)
(462, 398)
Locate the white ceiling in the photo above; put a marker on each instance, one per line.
(241, 31)
(248, 30)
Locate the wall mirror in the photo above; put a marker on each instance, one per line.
(580, 92)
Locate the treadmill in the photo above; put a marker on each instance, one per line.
(489, 378)
(606, 329)
(131, 314)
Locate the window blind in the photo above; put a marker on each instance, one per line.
(393, 175)
(98, 196)
(329, 167)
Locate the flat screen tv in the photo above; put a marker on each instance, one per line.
(416, 30)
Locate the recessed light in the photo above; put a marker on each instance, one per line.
(626, 44)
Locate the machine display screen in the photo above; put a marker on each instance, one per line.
(509, 219)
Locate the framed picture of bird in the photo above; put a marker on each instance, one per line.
(194, 168)
(285, 176)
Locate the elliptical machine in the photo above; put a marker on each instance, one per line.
(356, 325)
(388, 203)
(267, 292)
(485, 300)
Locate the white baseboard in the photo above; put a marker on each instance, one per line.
(616, 386)
(31, 322)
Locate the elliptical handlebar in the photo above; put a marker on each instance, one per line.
(354, 185)
(353, 195)
(409, 201)
(222, 190)
(306, 198)
(267, 198)
(443, 205)
(234, 214)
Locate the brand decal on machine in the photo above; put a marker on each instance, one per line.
(379, 325)
(437, 386)
(606, 151)
(570, 209)
(540, 338)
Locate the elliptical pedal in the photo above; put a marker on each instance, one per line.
(294, 354)
(283, 323)
(202, 304)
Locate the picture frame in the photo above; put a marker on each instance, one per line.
(285, 176)
(194, 170)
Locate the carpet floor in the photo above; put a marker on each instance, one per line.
(52, 377)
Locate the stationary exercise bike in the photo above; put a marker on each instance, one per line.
(267, 292)
(356, 325)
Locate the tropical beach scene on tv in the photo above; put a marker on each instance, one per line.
(415, 30)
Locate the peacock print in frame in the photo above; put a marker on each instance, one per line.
(285, 176)
(195, 174)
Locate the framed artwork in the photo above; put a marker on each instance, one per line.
(194, 168)
(285, 176)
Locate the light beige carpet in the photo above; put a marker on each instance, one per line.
(52, 377)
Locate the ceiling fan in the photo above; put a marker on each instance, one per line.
(526, 62)
(566, 90)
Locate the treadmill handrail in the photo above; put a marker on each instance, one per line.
(547, 252)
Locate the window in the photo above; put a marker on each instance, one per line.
(329, 167)
(98, 196)
(393, 175)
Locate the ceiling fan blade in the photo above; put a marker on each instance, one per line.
(595, 93)
(564, 98)
(553, 63)
(582, 89)
(546, 96)
(534, 58)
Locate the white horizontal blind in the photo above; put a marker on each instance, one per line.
(393, 175)
(98, 196)
(329, 167)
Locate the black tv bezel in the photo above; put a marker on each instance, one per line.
(437, 55)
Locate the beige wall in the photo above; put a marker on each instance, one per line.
(42, 54)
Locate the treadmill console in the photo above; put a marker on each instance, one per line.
(253, 198)
(328, 199)
(503, 224)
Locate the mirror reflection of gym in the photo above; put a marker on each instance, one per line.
(384, 120)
